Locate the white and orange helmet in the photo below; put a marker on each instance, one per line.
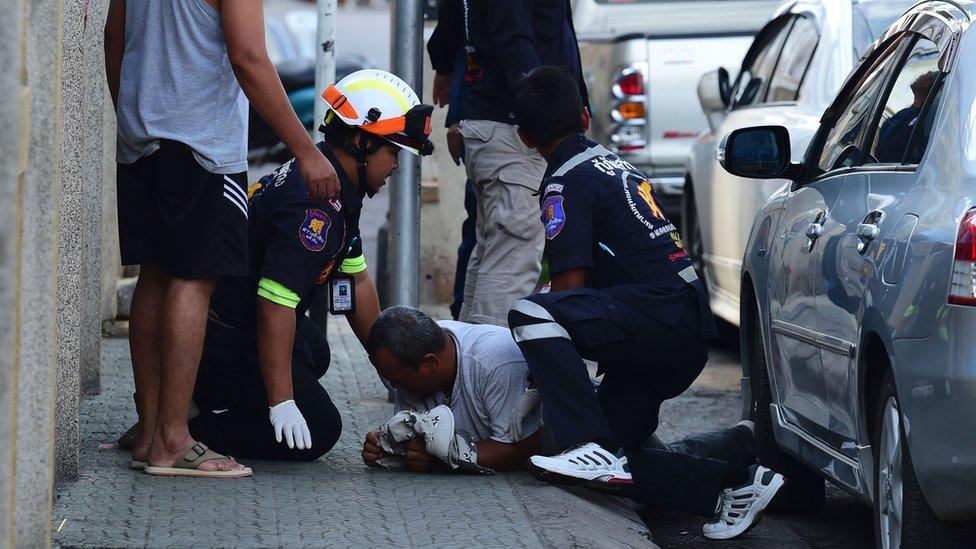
(383, 105)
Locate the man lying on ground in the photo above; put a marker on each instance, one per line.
(476, 370)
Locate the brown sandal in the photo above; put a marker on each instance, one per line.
(189, 465)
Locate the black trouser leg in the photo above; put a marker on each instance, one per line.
(556, 331)
(725, 444)
(230, 380)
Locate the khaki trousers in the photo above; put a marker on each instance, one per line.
(506, 261)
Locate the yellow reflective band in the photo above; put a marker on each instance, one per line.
(353, 265)
(277, 293)
(375, 84)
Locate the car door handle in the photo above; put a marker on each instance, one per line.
(868, 230)
(814, 231)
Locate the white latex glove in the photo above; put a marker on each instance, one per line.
(289, 422)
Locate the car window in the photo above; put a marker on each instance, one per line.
(841, 148)
(793, 61)
(750, 86)
(903, 108)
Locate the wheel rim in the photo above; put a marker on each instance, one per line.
(890, 502)
(696, 248)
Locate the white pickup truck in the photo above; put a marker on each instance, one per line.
(642, 60)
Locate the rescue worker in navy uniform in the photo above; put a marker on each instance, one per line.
(258, 388)
(624, 294)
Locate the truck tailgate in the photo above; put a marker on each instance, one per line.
(674, 115)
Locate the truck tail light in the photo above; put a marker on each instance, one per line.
(629, 110)
(631, 84)
(628, 132)
(962, 287)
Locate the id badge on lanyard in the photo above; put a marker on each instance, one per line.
(342, 294)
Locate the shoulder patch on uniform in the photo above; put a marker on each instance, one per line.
(336, 205)
(553, 188)
(553, 216)
(314, 230)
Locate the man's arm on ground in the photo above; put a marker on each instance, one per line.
(276, 337)
(243, 25)
(507, 456)
(114, 47)
(568, 280)
(367, 307)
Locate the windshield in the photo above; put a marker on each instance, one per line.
(872, 18)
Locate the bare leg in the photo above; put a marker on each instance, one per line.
(184, 325)
(145, 337)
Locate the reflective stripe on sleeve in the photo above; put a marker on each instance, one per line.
(533, 309)
(277, 293)
(546, 330)
(353, 265)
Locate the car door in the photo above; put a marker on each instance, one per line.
(867, 231)
(795, 267)
(765, 92)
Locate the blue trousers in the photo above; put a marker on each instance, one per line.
(468, 241)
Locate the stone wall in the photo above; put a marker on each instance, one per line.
(53, 158)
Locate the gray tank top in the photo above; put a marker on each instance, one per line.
(177, 84)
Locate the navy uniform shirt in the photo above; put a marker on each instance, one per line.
(509, 38)
(602, 214)
(295, 241)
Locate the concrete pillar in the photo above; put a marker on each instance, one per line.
(12, 132)
(29, 189)
(68, 232)
(94, 94)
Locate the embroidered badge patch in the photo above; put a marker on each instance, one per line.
(553, 216)
(314, 230)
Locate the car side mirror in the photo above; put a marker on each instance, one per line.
(715, 95)
(760, 152)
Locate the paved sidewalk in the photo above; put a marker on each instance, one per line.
(335, 502)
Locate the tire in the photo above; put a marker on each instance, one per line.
(918, 527)
(804, 489)
(691, 230)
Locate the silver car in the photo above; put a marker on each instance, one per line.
(790, 74)
(858, 286)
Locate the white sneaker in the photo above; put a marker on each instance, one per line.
(739, 509)
(587, 463)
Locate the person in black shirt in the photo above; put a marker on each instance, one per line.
(262, 357)
(624, 294)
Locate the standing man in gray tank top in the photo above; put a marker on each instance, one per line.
(181, 73)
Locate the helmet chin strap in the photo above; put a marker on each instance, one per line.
(360, 151)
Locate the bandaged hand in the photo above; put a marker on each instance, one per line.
(289, 423)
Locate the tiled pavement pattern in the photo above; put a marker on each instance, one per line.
(334, 502)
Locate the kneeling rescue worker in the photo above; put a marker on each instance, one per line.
(624, 294)
(255, 367)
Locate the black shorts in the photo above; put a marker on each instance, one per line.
(175, 214)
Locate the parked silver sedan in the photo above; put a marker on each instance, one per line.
(858, 286)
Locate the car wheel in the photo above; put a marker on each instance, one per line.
(902, 516)
(804, 489)
(691, 230)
